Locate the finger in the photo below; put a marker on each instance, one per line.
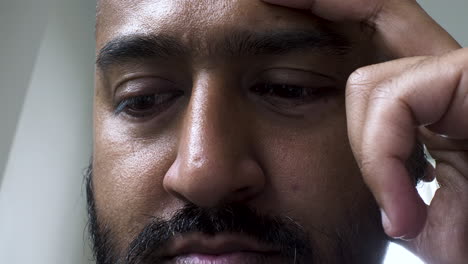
(453, 152)
(443, 239)
(360, 85)
(425, 95)
(437, 142)
(335, 10)
(403, 28)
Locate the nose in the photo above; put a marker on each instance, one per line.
(214, 164)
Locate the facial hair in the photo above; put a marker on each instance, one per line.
(294, 243)
(277, 232)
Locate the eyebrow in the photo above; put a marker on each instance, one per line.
(129, 47)
(235, 43)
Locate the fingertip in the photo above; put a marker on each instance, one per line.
(405, 225)
(387, 225)
(404, 211)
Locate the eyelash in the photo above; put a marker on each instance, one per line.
(292, 93)
(158, 103)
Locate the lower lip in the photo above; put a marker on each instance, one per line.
(231, 258)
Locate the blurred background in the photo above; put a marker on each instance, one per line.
(46, 88)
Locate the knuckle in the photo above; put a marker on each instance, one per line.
(383, 91)
(360, 77)
(360, 82)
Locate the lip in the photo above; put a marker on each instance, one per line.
(231, 258)
(224, 249)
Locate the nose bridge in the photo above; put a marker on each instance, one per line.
(210, 127)
(213, 164)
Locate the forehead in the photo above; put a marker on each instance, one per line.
(197, 21)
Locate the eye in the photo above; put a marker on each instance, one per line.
(280, 90)
(146, 105)
(291, 95)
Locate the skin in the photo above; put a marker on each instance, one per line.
(280, 158)
(386, 102)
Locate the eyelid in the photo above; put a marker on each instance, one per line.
(134, 77)
(290, 76)
(296, 76)
(139, 86)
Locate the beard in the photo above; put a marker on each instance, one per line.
(280, 232)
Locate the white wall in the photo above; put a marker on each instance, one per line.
(452, 15)
(47, 50)
(46, 71)
(22, 24)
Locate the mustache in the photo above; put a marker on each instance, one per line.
(279, 232)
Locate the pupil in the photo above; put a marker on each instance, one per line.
(287, 91)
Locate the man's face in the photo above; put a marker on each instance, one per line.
(220, 135)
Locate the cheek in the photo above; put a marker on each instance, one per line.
(128, 175)
(312, 172)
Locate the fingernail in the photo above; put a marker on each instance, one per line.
(385, 221)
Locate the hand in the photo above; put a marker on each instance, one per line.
(392, 105)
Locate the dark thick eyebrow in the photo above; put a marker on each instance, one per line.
(130, 47)
(279, 42)
(234, 43)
